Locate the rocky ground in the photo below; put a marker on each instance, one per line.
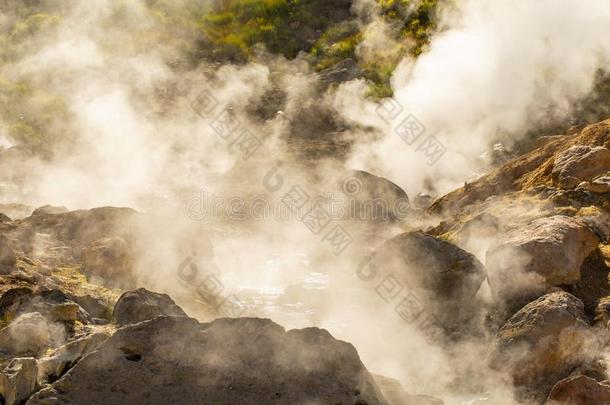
(534, 232)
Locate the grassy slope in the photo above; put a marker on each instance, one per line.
(224, 31)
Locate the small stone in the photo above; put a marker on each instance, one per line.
(18, 380)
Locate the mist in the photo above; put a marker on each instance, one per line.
(144, 127)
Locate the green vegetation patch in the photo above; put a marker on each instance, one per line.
(233, 27)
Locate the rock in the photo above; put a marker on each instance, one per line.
(373, 198)
(228, 361)
(30, 333)
(52, 304)
(543, 343)
(529, 170)
(597, 220)
(16, 211)
(524, 262)
(470, 234)
(57, 306)
(600, 185)
(83, 227)
(110, 260)
(12, 299)
(579, 390)
(595, 368)
(580, 163)
(51, 368)
(4, 218)
(593, 286)
(7, 255)
(442, 276)
(142, 305)
(95, 306)
(18, 380)
(49, 209)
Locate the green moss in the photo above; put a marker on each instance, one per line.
(330, 50)
(232, 28)
(417, 20)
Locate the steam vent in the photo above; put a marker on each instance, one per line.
(304, 202)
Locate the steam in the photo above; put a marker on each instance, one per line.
(137, 136)
(496, 70)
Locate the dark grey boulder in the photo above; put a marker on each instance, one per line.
(142, 305)
(246, 361)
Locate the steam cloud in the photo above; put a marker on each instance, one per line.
(135, 139)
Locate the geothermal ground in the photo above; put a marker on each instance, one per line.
(342, 202)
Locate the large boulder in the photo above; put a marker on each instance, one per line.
(441, 275)
(373, 198)
(142, 305)
(579, 390)
(580, 163)
(543, 342)
(109, 261)
(229, 361)
(524, 262)
(18, 380)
